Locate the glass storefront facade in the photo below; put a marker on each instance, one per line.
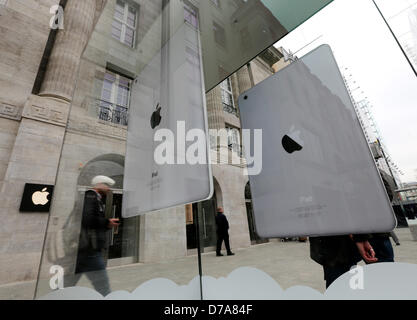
(95, 144)
(75, 127)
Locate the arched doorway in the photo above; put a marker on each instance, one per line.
(254, 238)
(123, 241)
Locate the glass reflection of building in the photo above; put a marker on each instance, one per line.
(411, 46)
(64, 120)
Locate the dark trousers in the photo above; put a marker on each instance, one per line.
(220, 238)
(93, 265)
(394, 237)
(334, 272)
(383, 249)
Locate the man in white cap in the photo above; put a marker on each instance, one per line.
(94, 236)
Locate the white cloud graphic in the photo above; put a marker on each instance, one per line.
(244, 283)
(381, 281)
(160, 289)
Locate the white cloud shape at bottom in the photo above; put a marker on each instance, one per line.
(380, 281)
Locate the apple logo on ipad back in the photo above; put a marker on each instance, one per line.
(156, 117)
(292, 141)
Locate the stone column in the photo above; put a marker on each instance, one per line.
(163, 235)
(215, 109)
(216, 121)
(61, 74)
(244, 79)
(36, 150)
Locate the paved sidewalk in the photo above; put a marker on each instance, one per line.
(288, 263)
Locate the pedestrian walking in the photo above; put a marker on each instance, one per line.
(222, 233)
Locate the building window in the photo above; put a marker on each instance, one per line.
(190, 15)
(193, 60)
(192, 56)
(115, 98)
(227, 97)
(124, 23)
(219, 34)
(245, 38)
(233, 140)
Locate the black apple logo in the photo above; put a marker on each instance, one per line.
(292, 142)
(156, 117)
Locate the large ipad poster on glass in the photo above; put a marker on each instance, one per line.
(167, 158)
(318, 175)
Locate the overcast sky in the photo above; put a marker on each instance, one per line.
(361, 41)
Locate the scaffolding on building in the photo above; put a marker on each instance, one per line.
(363, 107)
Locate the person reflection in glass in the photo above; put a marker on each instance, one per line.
(222, 233)
(94, 236)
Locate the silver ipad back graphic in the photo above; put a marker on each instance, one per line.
(167, 99)
(318, 175)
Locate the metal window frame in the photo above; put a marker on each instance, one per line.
(115, 88)
(124, 23)
(230, 133)
(224, 88)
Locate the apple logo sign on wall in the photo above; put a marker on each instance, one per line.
(156, 117)
(36, 198)
(40, 197)
(292, 141)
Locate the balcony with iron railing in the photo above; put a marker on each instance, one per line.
(234, 150)
(230, 109)
(111, 112)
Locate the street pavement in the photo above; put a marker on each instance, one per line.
(288, 263)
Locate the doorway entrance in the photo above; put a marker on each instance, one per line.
(124, 241)
(205, 213)
(254, 237)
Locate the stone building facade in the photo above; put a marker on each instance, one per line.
(59, 126)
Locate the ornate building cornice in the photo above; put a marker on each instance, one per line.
(10, 111)
(46, 109)
(97, 128)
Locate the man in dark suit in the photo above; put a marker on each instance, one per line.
(93, 241)
(338, 254)
(222, 233)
